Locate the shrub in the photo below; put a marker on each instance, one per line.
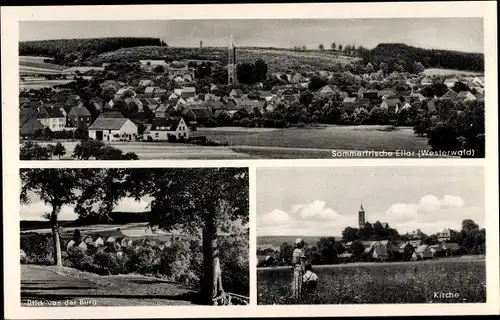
(107, 262)
(75, 256)
(38, 249)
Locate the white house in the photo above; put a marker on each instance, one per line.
(113, 129)
(162, 128)
(424, 252)
(81, 245)
(52, 118)
(450, 82)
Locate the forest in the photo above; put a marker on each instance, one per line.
(399, 56)
(68, 50)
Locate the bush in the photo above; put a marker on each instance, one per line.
(74, 257)
(38, 249)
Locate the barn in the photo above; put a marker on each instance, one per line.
(113, 129)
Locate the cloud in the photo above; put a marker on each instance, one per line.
(316, 209)
(36, 210)
(275, 216)
(452, 201)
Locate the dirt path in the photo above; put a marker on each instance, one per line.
(51, 286)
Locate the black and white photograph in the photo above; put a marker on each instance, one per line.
(134, 237)
(371, 235)
(252, 89)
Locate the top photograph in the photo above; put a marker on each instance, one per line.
(252, 89)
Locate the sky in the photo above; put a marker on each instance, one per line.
(462, 34)
(36, 208)
(324, 201)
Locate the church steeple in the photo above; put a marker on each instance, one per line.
(231, 62)
(361, 217)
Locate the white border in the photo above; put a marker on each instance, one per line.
(12, 15)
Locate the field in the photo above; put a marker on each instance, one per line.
(265, 143)
(131, 230)
(278, 60)
(448, 72)
(69, 287)
(36, 65)
(330, 137)
(402, 282)
(38, 84)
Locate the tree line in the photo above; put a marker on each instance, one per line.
(67, 50)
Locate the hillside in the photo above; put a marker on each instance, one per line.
(278, 60)
(399, 54)
(277, 241)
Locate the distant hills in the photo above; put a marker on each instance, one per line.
(277, 241)
(394, 55)
(406, 56)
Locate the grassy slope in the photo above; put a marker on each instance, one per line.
(382, 283)
(37, 65)
(47, 283)
(278, 60)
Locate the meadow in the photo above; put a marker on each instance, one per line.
(449, 72)
(28, 65)
(327, 138)
(375, 283)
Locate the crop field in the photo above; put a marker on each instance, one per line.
(38, 84)
(34, 65)
(403, 282)
(448, 72)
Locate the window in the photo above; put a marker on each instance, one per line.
(61, 120)
(156, 134)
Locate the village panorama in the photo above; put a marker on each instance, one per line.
(147, 98)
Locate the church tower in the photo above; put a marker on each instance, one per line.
(231, 63)
(361, 217)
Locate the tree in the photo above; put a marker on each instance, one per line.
(245, 72)
(460, 86)
(340, 47)
(316, 83)
(418, 67)
(333, 46)
(304, 48)
(206, 199)
(159, 69)
(321, 47)
(369, 68)
(286, 253)
(260, 70)
(55, 187)
(108, 93)
(384, 67)
(443, 137)
(59, 150)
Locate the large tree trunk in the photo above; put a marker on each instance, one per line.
(212, 276)
(55, 235)
(57, 245)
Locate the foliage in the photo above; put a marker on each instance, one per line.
(395, 55)
(66, 50)
(33, 151)
(87, 149)
(38, 248)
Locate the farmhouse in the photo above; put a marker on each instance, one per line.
(145, 83)
(325, 90)
(163, 128)
(465, 96)
(78, 117)
(436, 250)
(80, 245)
(450, 82)
(445, 235)
(29, 127)
(451, 248)
(390, 105)
(52, 118)
(113, 129)
(423, 252)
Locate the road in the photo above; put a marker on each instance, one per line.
(53, 286)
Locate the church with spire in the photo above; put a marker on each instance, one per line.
(231, 63)
(362, 218)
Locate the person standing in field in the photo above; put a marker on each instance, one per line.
(298, 263)
(310, 279)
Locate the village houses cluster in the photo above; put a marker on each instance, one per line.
(412, 248)
(178, 111)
